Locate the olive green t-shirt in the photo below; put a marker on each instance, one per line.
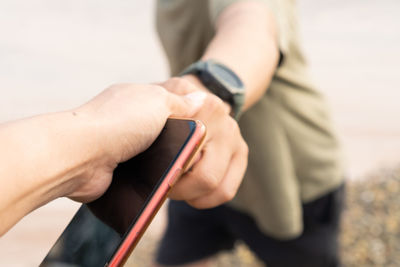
(294, 156)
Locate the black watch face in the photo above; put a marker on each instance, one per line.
(226, 75)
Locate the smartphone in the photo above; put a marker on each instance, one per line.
(105, 231)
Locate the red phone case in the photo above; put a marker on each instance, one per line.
(182, 162)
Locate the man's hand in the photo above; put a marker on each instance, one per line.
(216, 176)
(73, 153)
(127, 118)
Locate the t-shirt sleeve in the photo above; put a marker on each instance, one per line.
(281, 9)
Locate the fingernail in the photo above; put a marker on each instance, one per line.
(197, 97)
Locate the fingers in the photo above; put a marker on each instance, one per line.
(229, 185)
(205, 176)
(217, 175)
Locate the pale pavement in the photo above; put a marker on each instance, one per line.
(57, 54)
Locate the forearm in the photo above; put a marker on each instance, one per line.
(74, 153)
(246, 41)
(41, 159)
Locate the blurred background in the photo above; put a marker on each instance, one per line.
(56, 54)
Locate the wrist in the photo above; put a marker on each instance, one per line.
(222, 81)
(96, 131)
(85, 142)
(54, 157)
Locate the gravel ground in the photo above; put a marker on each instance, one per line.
(371, 228)
(370, 233)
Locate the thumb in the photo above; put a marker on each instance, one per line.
(187, 105)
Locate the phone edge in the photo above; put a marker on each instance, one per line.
(159, 197)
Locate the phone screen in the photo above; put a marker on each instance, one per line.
(98, 228)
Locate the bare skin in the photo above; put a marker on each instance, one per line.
(217, 175)
(253, 55)
(73, 153)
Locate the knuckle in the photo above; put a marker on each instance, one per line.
(233, 126)
(214, 103)
(178, 83)
(227, 195)
(245, 148)
(227, 108)
(208, 182)
(176, 80)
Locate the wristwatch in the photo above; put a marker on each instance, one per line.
(221, 81)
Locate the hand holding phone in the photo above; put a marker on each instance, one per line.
(104, 232)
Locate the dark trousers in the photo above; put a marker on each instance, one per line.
(194, 234)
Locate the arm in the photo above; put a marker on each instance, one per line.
(74, 153)
(246, 42)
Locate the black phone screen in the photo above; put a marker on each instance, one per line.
(98, 228)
